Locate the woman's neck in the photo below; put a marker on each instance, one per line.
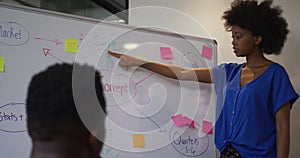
(256, 60)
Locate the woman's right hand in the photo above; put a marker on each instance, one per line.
(127, 61)
(170, 71)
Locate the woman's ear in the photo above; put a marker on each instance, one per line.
(258, 39)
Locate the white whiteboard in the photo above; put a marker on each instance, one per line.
(139, 102)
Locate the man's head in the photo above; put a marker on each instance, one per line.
(51, 105)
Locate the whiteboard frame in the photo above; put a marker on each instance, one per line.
(96, 21)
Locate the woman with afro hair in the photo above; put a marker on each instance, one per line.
(256, 96)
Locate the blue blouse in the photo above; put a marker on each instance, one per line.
(246, 115)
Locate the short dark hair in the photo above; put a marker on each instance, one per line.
(50, 104)
(260, 19)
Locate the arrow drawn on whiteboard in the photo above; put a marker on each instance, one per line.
(144, 79)
(162, 129)
(56, 41)
(46, 52)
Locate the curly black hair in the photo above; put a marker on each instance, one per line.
(50, 104)
(260, 19)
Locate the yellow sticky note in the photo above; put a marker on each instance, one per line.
(138, 140)
(2, 64)
(71, 45)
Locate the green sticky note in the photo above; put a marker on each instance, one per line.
(2, 63)
(71, 45)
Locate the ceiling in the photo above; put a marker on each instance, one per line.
(110, 10)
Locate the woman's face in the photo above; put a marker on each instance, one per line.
(244, 43)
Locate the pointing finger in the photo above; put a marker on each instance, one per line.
(117, 55)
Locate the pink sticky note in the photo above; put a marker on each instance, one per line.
(179, 121)
(207, 52)
(166, 53)
(190, 122)
(207, 127)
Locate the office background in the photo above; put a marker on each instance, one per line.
(198, 18)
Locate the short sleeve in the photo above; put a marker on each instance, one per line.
(282, 91)
(219, 75)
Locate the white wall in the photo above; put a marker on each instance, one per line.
(194, 17)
